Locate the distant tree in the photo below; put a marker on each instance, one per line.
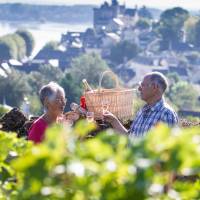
(123, 50)
(190, 29)
(21, 46)
(8, 48)
(143, 23)
(51, 73)
(197, 34)
(173, 78)
(29, 41)
(36, 107)
(193, 57)
(44, 75)
(183, 62)
(88, 66)
(73, 90)
(12, 46)
(170, 25)
(13, 88)
(36, 80)
(183, 95)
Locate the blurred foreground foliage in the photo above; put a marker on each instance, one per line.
(108, 166)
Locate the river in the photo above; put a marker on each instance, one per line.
(42, 32)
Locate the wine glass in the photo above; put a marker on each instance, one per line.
(90, 116)
(60, 119)
(105, 105)
(69, 122)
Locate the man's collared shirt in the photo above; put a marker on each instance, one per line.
(149, 116)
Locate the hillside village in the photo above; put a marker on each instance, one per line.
(112, 24)
(115, 24)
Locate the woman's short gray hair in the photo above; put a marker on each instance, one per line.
(160, 79)
(50, 91)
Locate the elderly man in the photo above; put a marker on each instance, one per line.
(156, 109)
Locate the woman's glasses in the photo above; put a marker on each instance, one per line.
(61, 100)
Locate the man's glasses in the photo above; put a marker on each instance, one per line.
(142, 85)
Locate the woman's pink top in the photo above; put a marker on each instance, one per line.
(37, 130)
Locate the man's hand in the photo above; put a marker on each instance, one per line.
(116, 124)
(109, 117)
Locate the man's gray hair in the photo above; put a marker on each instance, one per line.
(160, 79)
(50, 91)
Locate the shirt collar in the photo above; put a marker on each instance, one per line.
(155, 106)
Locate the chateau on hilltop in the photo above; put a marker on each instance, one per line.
(104, 15)
(109, 21)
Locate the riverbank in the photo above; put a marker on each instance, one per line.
(42, 32)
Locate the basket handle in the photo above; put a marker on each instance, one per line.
(113, 76)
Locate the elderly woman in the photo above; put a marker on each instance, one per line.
(52, 97)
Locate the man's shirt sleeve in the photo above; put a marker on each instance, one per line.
(170, 118)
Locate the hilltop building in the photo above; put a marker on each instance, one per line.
(103, 16)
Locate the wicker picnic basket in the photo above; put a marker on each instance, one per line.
(119, 100)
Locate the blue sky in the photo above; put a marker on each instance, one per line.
(188, 4)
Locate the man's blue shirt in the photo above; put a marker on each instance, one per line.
(149, 116)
